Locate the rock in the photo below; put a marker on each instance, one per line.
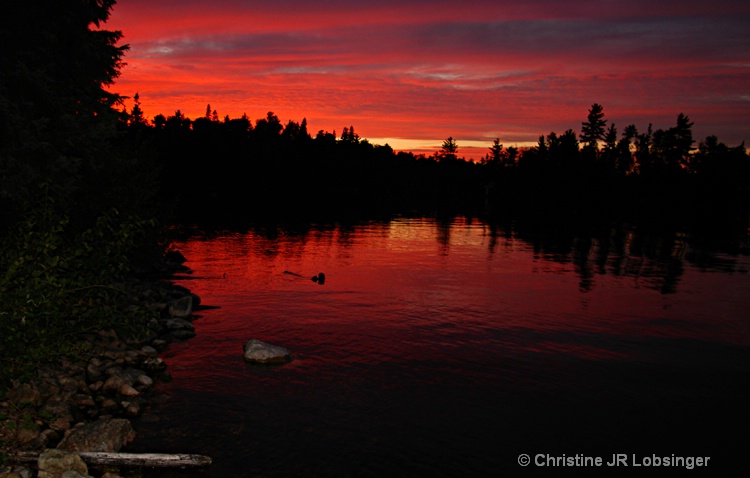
(149, 351)
(60, 424)
(155, 364)
(257, 351)
(114, 383)
(144, 380)
(128, 391)
(175, 256)
(130, 357)
(50, 436)
(83, 401)
(25, 394)
(109, 405)
(27, 436)
(53, 463)
(59, 409)
(93, 372)
(68, 384)
(133, 409)
(181, 308)
(159, 343)
(16, 472)
(182, 334)
(74, 474)
(178, 324)
(180, 328)
(103, 435)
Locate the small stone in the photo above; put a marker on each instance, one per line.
(74, 474)
(133, 409)
(114, 383)
(129, 391)
(182, 307)
(51, 435)
(60, 425)
(144, 380)
(154, 364)
(68, 384)
(159, 343)
(112, 370)
(149, 351)
(109, 404)
(178, 324)
(84, 401)
(23, 472)
(182, 334)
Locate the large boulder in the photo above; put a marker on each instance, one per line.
(257, 351)
(103, 435)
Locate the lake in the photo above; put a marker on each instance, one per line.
(451, 347)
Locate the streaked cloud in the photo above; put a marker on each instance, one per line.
(425, 70)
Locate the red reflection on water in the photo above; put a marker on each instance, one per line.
(461, 291)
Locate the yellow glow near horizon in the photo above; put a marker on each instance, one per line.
(468, 149)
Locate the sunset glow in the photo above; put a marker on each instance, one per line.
(411, 73)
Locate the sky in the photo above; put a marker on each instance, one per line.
(411, 73)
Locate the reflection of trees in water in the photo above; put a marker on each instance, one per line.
(656, 259)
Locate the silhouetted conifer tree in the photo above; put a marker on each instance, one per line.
(592, 130)
(448, 150)
(136, 118)
(496, 152)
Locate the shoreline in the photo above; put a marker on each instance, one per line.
(85, 403)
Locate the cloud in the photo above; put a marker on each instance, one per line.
(429, 69)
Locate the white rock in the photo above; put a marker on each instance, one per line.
(257, 351)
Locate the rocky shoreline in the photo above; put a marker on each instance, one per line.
(85, 404)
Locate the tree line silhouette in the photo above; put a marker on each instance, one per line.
(219, 168)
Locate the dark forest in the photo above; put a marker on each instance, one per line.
(237, 168)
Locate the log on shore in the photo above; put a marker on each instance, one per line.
(156, 460)
(153, 460)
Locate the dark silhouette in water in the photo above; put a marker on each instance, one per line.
(320, 278)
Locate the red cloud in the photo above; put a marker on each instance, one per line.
(429, 70)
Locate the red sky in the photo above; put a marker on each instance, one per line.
(413, 72)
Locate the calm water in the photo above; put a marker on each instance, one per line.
(449, 348)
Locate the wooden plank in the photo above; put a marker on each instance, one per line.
(155, 460)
